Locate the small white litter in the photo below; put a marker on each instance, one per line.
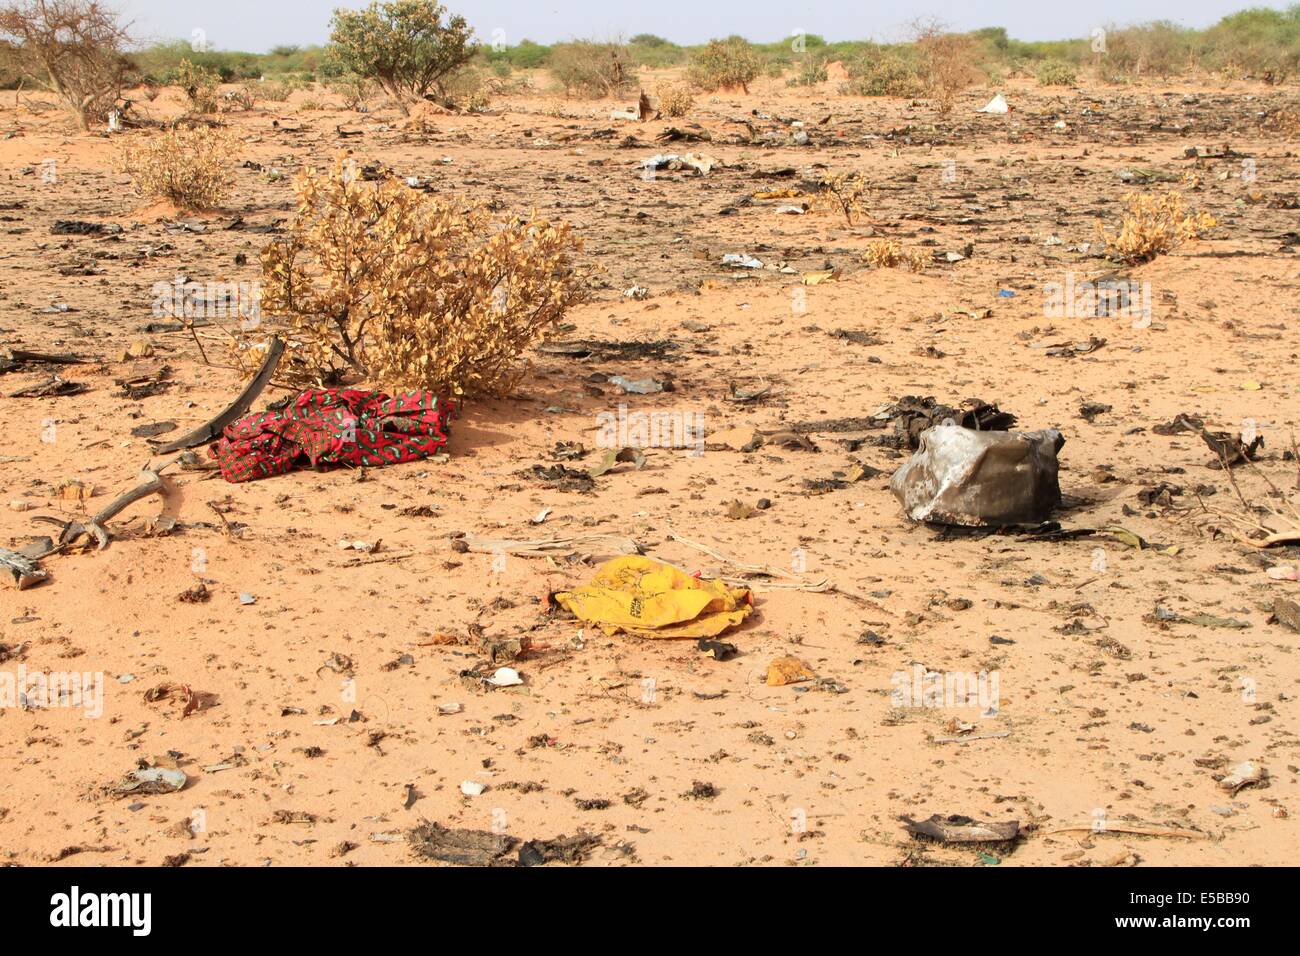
(505, 677)
(996, 105)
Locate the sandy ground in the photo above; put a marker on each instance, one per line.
(319, 739)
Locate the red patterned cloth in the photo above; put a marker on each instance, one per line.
(335, 426)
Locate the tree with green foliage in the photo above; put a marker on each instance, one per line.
(406, 46)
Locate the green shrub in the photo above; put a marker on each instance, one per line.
(726, 65)
(1055, 73)
(811, 70)
(883, 72)
(403, 45)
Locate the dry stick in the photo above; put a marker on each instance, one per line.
(212, 429)
(966, 740)
(822, 586)
(1249, 520)
(1295, 455)
(1278, 491)
(195, 335)
(151, 483)
(225, 523)
(1154, 831)
(1232, 480)
(719, 556)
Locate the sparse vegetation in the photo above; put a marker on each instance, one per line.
(810, 70)
(466, 89)
(355, 91)
(675, 99)
(1155, 224)
(200, 86)
(726, 65)
(188, 166)
(589, 68)
(947, 64)
(883, 72)
(384, 284)
(1055, 73)
(276, 91)
(890, 254)
(845, 193)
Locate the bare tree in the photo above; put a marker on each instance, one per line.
(76, 48)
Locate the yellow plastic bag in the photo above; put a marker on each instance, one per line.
(650, 599)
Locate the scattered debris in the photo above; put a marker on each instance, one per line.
(646, 598)
(788, 670)
(964, 477)
(957, 829)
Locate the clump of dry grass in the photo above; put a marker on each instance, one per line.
(890, 254)
(275, 91)
(189, 166)
(675, 99)
(387, 285)
(845, 193)
(1155, 224)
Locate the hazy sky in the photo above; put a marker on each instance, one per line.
(256, 25)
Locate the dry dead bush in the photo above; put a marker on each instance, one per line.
(845, 193)
(947, 64)
(243, 97)
(387, 285)
(190, 167)
(588, 68)
(890, 254)
(74, 48)
(200, 86)
(1155, 224)
(675, 99)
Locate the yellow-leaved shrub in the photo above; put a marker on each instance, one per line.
(383, 284)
